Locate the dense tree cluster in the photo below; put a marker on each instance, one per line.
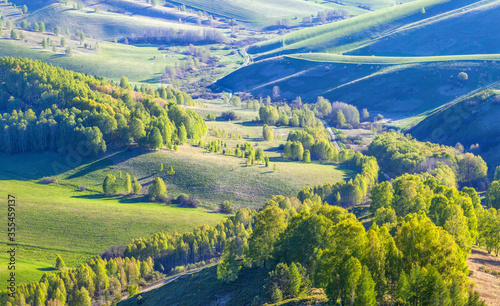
(331, 249)
(180, 37)
(285, 115)
(347, 193)
(315, 140)
(99, 281)
(52, 109)
(202, 244)
(398, 154)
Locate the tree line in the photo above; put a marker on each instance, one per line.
(398, 154)
(419, 263)
(99, 281)
(52, 109)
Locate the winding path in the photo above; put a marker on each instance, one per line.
(332, 134)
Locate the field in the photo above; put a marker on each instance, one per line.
(61, 219)
(265, 12)
(487, 284)
(103, 25)
(394, 87)
(54, 219)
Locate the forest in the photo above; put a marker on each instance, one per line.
(48, 108)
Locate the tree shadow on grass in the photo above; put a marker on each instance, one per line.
(111, 159)
(47, 269)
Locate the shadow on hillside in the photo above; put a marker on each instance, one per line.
(107, 161)
(249, 123)
(125, 199)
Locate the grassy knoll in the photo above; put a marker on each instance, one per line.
(471, 120)
(392, 86)
(445, 34)
(264, 12)
(53, 219)
(353, 30)
(103, 24)
(391, 60)
(113, 60)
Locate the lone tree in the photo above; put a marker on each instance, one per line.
(124, 83)
(109, 184)
(128, 184)
(340, 118)
(160, 167)
(170, 170)
(267, 133)
(157, 191)
(306, 157)
(59, 262)
(155, 141)
(137, 186)
(462, 76)
(69, 51)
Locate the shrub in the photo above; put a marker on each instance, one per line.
(186, 201)
(226, 207)
(462, 76)
(49, 180)
(229, 115)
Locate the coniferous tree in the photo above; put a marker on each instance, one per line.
(60, 262)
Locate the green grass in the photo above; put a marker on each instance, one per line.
(469, 120)
(265, 12)
(391, 60)
(445, 34)
(359, 28)
(203, 288)
(54, 219)
(103, 24)
(113, 60)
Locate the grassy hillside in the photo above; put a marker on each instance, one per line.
(472, 120)
(203, 288)
(102, 24)
(395, 86)
(445, 34)
(264, 12)
(55, 219)
(348, 34)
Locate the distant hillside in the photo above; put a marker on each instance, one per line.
(109, 25)
(266, 12)
(391, 86)
(445, 34)
(473, 120)
(352, 33)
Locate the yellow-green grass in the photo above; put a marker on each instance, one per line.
(444, 34)
(54, 219)
(113, 61)
(353, 32)
(398, 87)
(103, 24)
(265, 12)
(390, 60)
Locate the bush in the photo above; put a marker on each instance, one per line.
(49, 180)
(229, 115)
(462, 76)
(186, 201)
(226, 207)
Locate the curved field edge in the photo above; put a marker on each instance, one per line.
(55, 219)
(388, 60)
